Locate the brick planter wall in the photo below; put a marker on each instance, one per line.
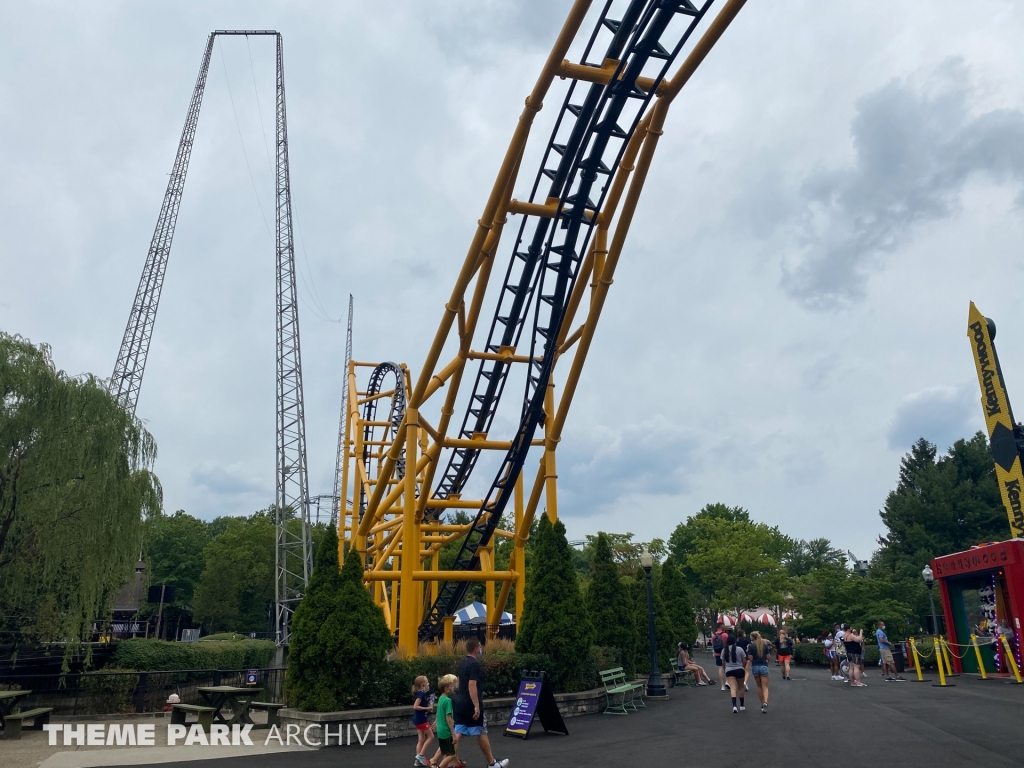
(398, 720)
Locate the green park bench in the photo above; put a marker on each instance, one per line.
(273, 712)
(616, 685)
(205, 714)
(685, 677)
(13, 722)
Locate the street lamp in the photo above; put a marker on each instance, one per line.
(655, 685)
(929, 580)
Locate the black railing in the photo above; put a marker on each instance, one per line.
(107, 693)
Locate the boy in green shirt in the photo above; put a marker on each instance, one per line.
(445, 722)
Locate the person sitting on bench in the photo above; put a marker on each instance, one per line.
(685, 663)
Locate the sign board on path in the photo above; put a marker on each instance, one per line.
(252, 677)
(534, 701)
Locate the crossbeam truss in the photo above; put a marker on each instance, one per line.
(407, 470)
(293, 550)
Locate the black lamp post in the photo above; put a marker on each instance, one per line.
(929, 580)
(655, 685)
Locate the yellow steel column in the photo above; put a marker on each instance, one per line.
(486, 553)
(519, 552)
(410, 591)
(550, 442)
(435, 584)
(346, 527)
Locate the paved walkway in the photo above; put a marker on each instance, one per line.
(813, 721)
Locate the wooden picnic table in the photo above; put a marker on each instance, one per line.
(9, 701)
(238, 699)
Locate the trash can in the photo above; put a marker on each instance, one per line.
(898, 658)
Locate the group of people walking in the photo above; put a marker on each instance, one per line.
(740, 658)
(460, 714)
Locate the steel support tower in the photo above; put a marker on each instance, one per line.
(293, 552)
(340, 503)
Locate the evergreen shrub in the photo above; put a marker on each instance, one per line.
(610, 606)
(339, 636)
(555, 621)
(161, 655)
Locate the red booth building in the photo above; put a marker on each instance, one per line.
(982, 592)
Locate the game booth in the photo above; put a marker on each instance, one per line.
(982, 591)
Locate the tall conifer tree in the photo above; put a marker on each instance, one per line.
(678, 607)
(555, 621)
(339, 636)
(609, 605)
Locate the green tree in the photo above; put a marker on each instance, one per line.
(75, 485)
(676, 598)
(808, 556)
(941, 505)
(609, 604)
(556, 622)
(173, 551)
(339, 636)
(664, 632)
(236, 588)
(625, 551)
(731, 560)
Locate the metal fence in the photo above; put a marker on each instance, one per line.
(107, 693)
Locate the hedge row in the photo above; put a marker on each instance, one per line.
(159, 655)
(814, 653)
(501, 674)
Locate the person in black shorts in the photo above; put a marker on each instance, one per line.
(734, 659)
(854, 642)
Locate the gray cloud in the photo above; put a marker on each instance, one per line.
(638, 459)
(915, 148)
(227, 481)
(941, 415)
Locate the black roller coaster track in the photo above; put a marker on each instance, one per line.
(546, 257)
(370, 435)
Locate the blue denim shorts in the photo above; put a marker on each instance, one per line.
(759, 670)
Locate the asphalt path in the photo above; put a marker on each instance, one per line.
(812, 721)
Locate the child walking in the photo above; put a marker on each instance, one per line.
(420, 710)
(446, 723)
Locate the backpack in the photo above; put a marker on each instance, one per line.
(716, 643)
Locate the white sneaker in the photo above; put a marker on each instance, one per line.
(743, 709)
(723, 687)
(499, 763)
(735, 711)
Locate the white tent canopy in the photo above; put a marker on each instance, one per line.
(476, 613)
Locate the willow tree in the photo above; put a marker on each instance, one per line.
(75, 483)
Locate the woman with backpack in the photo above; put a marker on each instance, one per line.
(758, 651)
(734, 660)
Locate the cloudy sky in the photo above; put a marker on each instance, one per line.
(789, 315)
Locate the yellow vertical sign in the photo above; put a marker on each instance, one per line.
(998, 420)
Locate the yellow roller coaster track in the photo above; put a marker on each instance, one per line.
(408, 470)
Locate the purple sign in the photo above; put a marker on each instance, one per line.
(525, 707)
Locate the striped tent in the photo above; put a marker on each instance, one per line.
(763, 616)
(476, 613)
(727, 620)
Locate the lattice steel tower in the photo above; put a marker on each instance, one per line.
(293, 555)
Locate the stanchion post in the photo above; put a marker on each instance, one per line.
(1013, 661)
(946, 653)
(940, 662)
(917, 662)
(977, 654)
